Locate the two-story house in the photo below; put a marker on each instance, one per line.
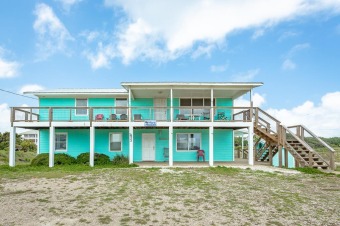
(147, 121)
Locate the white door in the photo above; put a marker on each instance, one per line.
(160, 113)
(148, 147)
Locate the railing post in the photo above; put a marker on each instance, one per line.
(256, 116)
(91, 116)
(12, 116)
(280, 155)
(310, 158)
(30, 114)
(332, 161)
(50, 115)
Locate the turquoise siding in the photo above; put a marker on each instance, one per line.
(102, 102)
(161, 140)
(55, 102)
(291, 160)
(223, 145)
(148, 112)
(78, 141)
(224, 102)
(191, 155)
(102, 141)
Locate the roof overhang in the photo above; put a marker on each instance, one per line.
(189, 89)
(107, 93)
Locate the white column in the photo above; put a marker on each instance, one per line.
(212, 105)
(171, 108)
(52, 144)
(250, 145)
(38, 142)
(92, 143)
(211, 146)
(171, 159)
(12, 140)
(130, 144)
(129, 105)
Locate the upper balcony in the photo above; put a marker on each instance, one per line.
(129, 114)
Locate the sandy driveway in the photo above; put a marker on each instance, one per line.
(137, 196)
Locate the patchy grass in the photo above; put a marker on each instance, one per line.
(176, 196)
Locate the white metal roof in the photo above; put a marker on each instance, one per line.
(79, 92)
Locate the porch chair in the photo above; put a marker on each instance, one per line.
(181, 117)
(166, 154)
(99, 117)
(112, 117)
(123, 117)
(221, 116)
(200, 153)
(206, 115)
(137, 117)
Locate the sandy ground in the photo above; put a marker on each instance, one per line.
(173, 196)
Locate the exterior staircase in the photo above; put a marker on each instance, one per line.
(277, 137)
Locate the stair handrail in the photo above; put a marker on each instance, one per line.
(330, 149)
(258, 119)
(306, 145)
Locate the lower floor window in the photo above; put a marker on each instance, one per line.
(188, 141)
(60, 142)
(116, 142)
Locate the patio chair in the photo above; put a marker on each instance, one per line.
(206, 115)
(221, 116)
(99, 117)
(200, 153)
(137, 117)
(181, 117)
(166, 154)
(123, 117)
(113, 117)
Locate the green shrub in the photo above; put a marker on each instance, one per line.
(120, 160)
(59, 159)
(99, 159)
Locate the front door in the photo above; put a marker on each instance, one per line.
(160, 110)
(148, 147)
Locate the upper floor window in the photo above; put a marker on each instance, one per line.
(81, 103)
(192, 105)
(121, 102)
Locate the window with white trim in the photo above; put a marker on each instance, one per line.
(81, 103)
(116, 141)
(188, 141)
(60, 142)
(121, 102)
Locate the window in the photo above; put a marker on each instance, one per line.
(60, 142)
(81, 103)
(188, 141)
(195, 102)
(116, 142)
(121, 102)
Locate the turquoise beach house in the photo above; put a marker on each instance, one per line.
(160, 122)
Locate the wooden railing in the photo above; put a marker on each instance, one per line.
(140, 113)
(322, 149)
(263, 120)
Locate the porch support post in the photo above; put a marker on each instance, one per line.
(211, 146)
(12, 140)
(212, 105)
(171, 110)
(250, 145)
(52, 144)
(92, 143)
(171, 159)
(129, 106)
(280, 155)
(130, 144)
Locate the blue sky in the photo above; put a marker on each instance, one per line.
(293, 47)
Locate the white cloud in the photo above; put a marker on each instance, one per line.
(243, 101)
(245, 76)
(165, 30)
(100, 59)
(8, 68)
(30, 88)
(287, 34)
(323, 119)
(5, 124)
(288, 65)
(218, 68)
(52, 34)
(67, 4)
